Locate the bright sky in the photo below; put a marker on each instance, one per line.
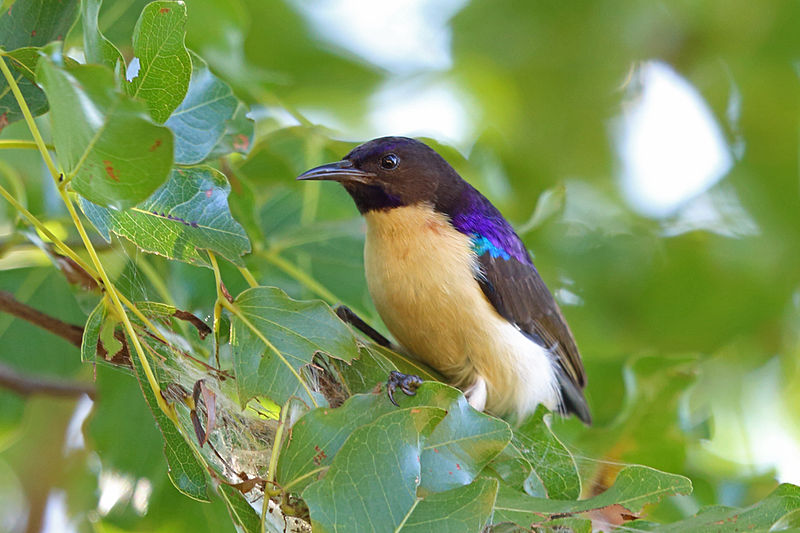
(670, 146)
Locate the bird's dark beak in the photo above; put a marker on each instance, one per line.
(341, 171)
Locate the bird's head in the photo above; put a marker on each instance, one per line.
(390, 172)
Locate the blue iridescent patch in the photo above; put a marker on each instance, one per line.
(482, 245)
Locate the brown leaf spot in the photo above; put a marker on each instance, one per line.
(3, 121)
(110, 170)
(33, 33)
(209, 192)
(163, 10)
(241, 143)
(155, 145)
(320, 455)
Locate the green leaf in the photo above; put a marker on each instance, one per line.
(111, 151)
(551, 460)
(96, 47)
(36, 22)
(550, 203)
(185, 470)
(516, 471)
(462, 444)
(242, 514)
(466, 508)
(238, 136)
(187, 215)
(164, 65)
(19, 62)
(295, 331)
(371, 484)
(374, 364)
(777, 512)
(201, 120)
(454, 452)
(319, 434)
(91, 332)
(635, 487)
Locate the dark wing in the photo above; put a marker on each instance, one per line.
(519, 295)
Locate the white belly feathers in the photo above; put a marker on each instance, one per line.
(421, 275)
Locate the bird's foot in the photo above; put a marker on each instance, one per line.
(408, 383)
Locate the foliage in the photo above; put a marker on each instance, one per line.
(204, 278)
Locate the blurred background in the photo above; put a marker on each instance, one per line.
(646, 151)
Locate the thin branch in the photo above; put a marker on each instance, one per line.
(26, 385)
(68, 332)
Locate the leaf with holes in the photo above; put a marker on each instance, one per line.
(275, 337)
(160, 70)
(186, 215)
(200, 121)
(110, 149)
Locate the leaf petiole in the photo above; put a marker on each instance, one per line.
(106, 281)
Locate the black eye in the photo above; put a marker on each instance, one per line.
(390, 161)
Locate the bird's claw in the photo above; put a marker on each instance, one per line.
(408, 383)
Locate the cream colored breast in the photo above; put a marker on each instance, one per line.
(421, 276)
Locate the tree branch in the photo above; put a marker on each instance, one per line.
(68, 332)
(27, 385)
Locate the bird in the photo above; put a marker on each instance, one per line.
(454, 284)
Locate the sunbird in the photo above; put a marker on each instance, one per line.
(455, 285)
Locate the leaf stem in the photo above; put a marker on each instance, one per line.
(16, 144)
(69, 252)
(248, 276)
(23, 106)
(276, 443)
(217, 303)
(39, 225)
(273, 461)
(307, 475)
(109, 286)
(234, 309)
(116, 300)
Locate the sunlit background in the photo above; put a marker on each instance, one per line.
(660, 140)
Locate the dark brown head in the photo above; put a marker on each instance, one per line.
(391, 172)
